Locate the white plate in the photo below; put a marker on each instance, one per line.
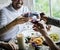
(57, 41)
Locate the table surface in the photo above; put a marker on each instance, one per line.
(43, 47)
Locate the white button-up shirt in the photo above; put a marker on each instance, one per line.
(7, 15)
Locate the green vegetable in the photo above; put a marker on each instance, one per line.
(54, 36)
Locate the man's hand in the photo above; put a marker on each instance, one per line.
(22, 20)
(40, 27)
(6, 46)
(43, 16)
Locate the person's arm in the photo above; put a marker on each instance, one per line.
(7, 46)
(40, 27)
(53, 21)
(12, 24)
(50, 20)
(50, 43)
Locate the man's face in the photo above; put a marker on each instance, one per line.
(17, 3)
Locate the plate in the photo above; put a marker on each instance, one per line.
(57, 41)
(55, 37)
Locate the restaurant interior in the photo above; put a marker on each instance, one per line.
(29, 24)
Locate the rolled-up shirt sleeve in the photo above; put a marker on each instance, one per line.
(3, 19)
(53, 21)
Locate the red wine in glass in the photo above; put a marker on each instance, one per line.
(34, 21)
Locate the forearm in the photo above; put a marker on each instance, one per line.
(6, 46)
(12, 24)
(51, 44)
(52, 21)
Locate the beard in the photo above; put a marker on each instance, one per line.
(18, 5)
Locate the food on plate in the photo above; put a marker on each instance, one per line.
(38, 41)
(54, 36)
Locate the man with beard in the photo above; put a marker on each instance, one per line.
(9, 14)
